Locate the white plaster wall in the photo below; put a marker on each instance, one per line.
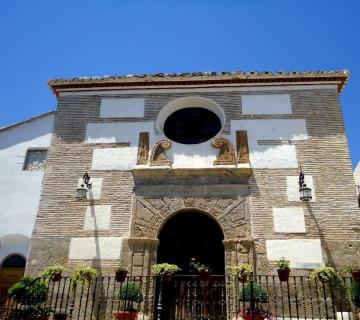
(292, 183)
(289, 220)
(276, 155)
(96, 186)
(95, 248)
(20, 190)
(97, 217)
(357, 174)
(14, 243)
(122, 107)
(266, 104)
(302, 253)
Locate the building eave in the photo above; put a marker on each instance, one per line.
(199, 78)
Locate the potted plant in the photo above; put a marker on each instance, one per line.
(129, 293)
(242, 271)
(259, 296)
(53, 272)
(31, 294)
(323, 275)
(354, 292)
(165, 270)
(354, 270)
(121, 272)
(203, 269)
(283, 269)
(83, 275)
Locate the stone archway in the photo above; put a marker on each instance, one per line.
(150, 214)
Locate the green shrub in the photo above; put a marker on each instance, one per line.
(52, 270)
(29, 291)
(200, 266)
(259, 294)
(82, 275)
(324, 274)
(242, 269)
(165, 268)
(354, 292)
(282, 263)
(130, 293)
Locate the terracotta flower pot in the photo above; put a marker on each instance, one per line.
(205, 275)
(246, 315)
(356, 275)
(60, 316)
(166, 277)
(120, 275)
(283, 274)
(56, 277)
(242, 277)
(125, 315)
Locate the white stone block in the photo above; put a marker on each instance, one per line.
(122, 107)
(302, 253)
(95, 248)
(97, 217)
(114, 158)
(95, 191)
(266, 104)
(292, 183)
(268, 155)
(289, 220)
(116, 132)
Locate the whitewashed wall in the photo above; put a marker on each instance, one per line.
(19, 189)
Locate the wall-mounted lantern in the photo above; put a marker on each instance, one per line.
(305, 192)
(81, 192)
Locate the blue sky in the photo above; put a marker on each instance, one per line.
(40, 40)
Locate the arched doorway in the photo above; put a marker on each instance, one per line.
(192, 235)
(189, 235)
(11, 270)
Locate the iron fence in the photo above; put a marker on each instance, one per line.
(186, 297)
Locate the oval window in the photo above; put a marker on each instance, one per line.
(192, 125)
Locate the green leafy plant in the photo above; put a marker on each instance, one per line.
(354, 292)
(31, 293)
(165, 268)
(350, 268)
(201, 267)
(51, 271)
(82, 275)
(259, 294)
(242, 269)
(130, 293)
(282, 263)
(324, 275)
(122, 266)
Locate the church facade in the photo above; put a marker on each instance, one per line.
(200, 165)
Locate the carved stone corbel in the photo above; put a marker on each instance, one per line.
(226, 154)
(143, 150)
(158, 157)
(242, 148)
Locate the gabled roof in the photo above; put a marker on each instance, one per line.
(198, 78)
(26, 121)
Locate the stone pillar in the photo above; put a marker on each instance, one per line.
(142, 255)
(237, 250)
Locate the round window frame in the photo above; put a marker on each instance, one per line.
(185, 103)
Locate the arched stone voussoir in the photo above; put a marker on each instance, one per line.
(152, 213)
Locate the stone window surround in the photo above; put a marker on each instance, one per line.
(27, 155)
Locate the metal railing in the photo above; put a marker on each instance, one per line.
(187, 297)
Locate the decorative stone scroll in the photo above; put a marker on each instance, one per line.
(143, 150)
(226, 154)
(242, 148)
(158, 157)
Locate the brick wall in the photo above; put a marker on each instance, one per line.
(333, 217)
